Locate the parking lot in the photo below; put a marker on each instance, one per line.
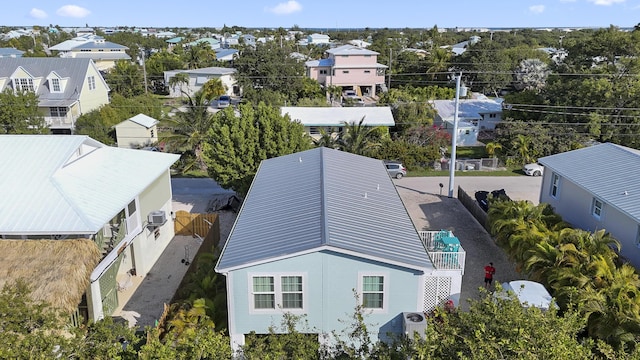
(431, 211)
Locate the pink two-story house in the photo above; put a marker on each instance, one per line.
(349, 67)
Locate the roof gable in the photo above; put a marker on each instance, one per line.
(56, 184)
(303, 202)
(603, 170)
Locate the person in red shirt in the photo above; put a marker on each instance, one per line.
(489, 270)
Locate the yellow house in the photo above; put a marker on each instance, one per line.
(66, 88)
(137, 132)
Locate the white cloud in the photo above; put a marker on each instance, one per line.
(37, 13)
(73, 11)
(607, 2)
(285, 8)
(536, 9)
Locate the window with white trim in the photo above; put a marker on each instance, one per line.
(277, 291)
(555, 185)
(597, 208)
(55, 85)
(23, 84)
(92, 82)
(58, 111)
(264, 294)
(373, 291)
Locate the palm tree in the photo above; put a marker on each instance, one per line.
(613, 311)
(326, 139)
(213, 88)
(187, 131)
(492, 147)
(178, 81)
(522, 146)
(358, 139)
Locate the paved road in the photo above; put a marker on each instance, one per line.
(430, 211)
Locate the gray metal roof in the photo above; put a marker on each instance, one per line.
(607, 171)
(467, 108)
(100, 45)
(69, 184)
(214, 70)
(323, 199)
(99, 55)
(337, 116)
(6, 52)
(351, 50)
(73, 69)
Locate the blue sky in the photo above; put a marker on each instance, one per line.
(323, 13)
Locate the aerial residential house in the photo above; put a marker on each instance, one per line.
(211, 42)
(226, 54)
(596, 188)
(105, 54)
(10, 53)
(331, 120)
(474, 115)
(84, 31)
(171, 43)
(350, 67)
(66, 87)
(307, 237)
(318, 39)
(114, 203)
(198, 77)
(360, 43)
(137, 132)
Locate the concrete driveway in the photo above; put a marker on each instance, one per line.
(431, 211)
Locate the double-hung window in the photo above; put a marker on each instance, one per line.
(91, 80)
(597, 208)
(55, 85)
(275, 292)
(373, 291)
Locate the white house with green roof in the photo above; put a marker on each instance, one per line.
(322, 231)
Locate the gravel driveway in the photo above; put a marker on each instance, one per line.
(431, 211)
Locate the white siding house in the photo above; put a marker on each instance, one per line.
(332, 119)
(137, 132)
(307, 236)
(73, 187)
(597, 188)
(474, 115)
(198, 77)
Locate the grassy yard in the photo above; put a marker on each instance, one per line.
(469, 152)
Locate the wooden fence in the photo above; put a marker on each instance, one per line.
(472, 206)
(187, 223)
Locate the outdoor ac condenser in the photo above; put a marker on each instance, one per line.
(157, 218)
(413, 322)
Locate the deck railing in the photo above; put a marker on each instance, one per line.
(442, 260)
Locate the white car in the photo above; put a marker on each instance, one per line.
(534, 169)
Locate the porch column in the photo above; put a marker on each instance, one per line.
(94, 301)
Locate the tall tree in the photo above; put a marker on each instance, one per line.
(126, 79)
(19, 113)
(240, 139)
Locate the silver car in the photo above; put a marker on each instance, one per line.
(395, 169)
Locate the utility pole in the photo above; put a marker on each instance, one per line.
(389, 80)
(454, 138)
(144, 72)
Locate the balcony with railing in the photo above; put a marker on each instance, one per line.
(444, 250)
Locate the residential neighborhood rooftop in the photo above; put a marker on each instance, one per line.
(303, 202)
(337, 116)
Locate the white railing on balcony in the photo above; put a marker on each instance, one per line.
(442, 260)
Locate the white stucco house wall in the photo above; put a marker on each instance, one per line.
(595, 188)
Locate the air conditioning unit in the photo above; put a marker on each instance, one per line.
(414, 322)
(157, 218)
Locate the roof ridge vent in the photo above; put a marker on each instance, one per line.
(300, 159)
(365, 194)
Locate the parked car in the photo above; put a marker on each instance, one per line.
(349, 94)
(395, 169)
(224, 101)
(534, 169)
(482, 197)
